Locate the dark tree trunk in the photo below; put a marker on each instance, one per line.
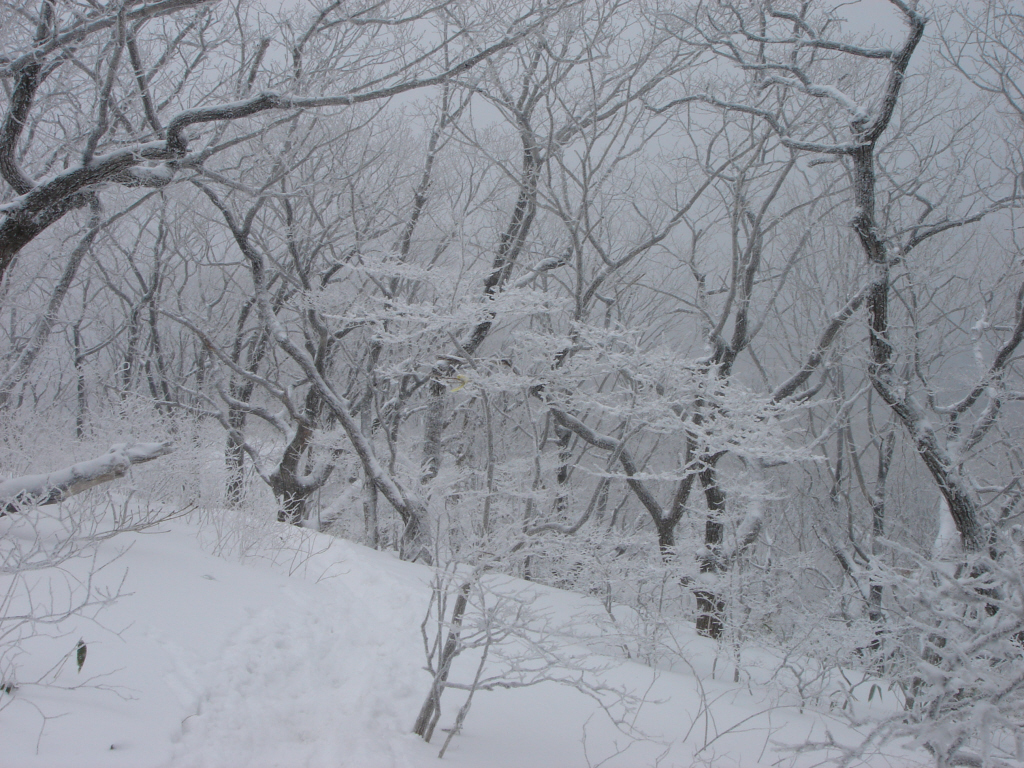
(371, 525)
(80, 391)
(432, 431)
(430, 712)
(294, 509)
(666, 538)
(710, 605)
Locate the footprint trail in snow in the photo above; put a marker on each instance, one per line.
(306, 682)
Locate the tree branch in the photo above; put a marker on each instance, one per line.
(53, 487)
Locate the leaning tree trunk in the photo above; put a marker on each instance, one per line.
(430, 712)
(881, 370)
(28, 491)
(29, 352)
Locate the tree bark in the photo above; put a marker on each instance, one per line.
(710, 605)
(430, 712)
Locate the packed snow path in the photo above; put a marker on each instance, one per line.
(319, 674)
(206, 662)
(217, 664)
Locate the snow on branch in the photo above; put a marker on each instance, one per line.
(86, 24)
(608, 443)
(544, 265)
(54, 487)
(838, 321)
(155, 163)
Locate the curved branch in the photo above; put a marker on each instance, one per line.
(43, 203)
(625, 458)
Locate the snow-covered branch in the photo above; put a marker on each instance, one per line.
(53, 487)
(154, 163)
(839, 320)
(625, 458)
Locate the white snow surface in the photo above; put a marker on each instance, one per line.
(317, 660)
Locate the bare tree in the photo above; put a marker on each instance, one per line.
(782, 51)
(159, 146)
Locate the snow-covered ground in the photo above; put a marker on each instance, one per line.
(317, 659)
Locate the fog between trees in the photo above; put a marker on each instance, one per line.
(710, 308)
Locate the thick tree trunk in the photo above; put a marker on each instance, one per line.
(234, 455)
(433, 427)
(294, 508)
(290, 487)
(666, 539)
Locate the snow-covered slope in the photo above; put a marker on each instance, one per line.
(317, 660)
